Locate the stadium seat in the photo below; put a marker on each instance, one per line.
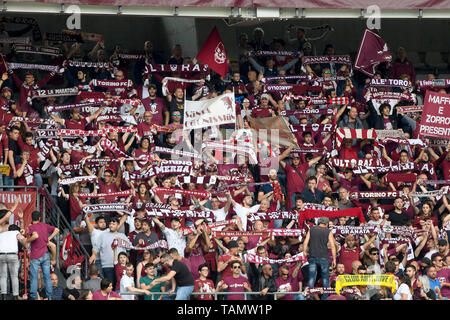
(434, 60)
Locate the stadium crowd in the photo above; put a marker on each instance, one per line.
(352, 190)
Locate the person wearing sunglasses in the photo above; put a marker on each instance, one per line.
(373, 266)
(442, 274)
(234, 283)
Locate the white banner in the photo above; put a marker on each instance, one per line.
(211, 112)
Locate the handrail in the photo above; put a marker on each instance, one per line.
(215, 294)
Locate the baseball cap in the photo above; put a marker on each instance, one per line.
(6, 89)
(265, 96)
(323, 220)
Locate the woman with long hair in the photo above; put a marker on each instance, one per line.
(85, 294)
(147, 257)
(404, 290)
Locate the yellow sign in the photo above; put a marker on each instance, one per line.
(5, 169)
(364, 280)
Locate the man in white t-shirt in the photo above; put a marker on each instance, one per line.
(174, 234)
(127, 284)
(220, 214)
(245, 209)
(9, 259)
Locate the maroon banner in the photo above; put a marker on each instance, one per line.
(175, 68)
(435, 115)
(26, 203)
(213, 53)
(327, 59)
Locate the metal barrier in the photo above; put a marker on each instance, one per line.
(215, 294)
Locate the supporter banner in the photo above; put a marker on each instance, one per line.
(192, 230)
(287, 232)
(62, 37)
(311, 101)
(253, 258)
(28, 66)
(346, 133)
(70, 167)
(128, 118)
(265, 53)
(313, 291)
(223, 146)
(87, 133)
(401, 178)
(67, 181)
(280, 88)
(37, 36)
(175, 68)
(108, 207)
(318, 206)
(329, 79)
(34, 121)
(121, 243)
(306, 111)
(112, 83)
(180, 213)
(315, 127)
(435, 120)
(372, 51)
(181, 153)
(131, 56)
(184, 167)
(422, 167)
(406, 109)
(425, 182)
(308, 150)
(436, 142)
(199, 194)
(211, 112)
(285, 135)
(292, 77)
(310, 214)
(429, 194)
(354, 163)
(103, 195)
(273, 215)
(86, 36)
(22, 48)
(354, 230)
(86, 64)
(61, 92)
(395, 241)
(19, 40)
(433, 84)
(389, 95)
(400, 230)
(64, 107)
(390, 133)
(411, 142)
(26, 203)
(238, 234)
(376, 194)
(364, 280)
(164, 89)
(327, 59)
(98, 163)
(389, 83)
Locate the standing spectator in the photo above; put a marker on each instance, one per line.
(127, 284)
(350, 252)
(315, 247)
(103, 247)
(106, 291)
(398, 217)
(234, 283)
(9, 260)
(145, 238)
(144, 283)
(225, 261)
(404, 290)
(40, 258)
(266, 283)
(174, 235)
(203, 284)
(94, 281)
(402, 66)
(180, 276)
(443, 274)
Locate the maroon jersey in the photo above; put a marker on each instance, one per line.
(203, 286)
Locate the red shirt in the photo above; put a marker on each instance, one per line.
(203, 286)
(70, 124)
(261, 112)
(347, 256)
(39, 246)
(119, 271)
(98, 295)
(108, 188)
(157, 107)
(227, 271)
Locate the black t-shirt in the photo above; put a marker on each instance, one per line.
(177, 106)
(397, 219)
(183, 276)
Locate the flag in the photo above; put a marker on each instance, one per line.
(372, 51)
(210, 112)
(213, 53)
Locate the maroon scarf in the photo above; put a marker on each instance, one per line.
(327, 59)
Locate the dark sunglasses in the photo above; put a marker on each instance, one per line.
(236, 267)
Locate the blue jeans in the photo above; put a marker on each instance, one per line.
(44, 263)
(324, 264)
(110, 274)
(7, 181)
(38, 180)
(183, 293)
(299, 297)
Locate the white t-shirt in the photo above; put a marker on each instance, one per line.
(126, 282)
(402, 290)
(175, 240)
(8, 242)
(242, 213)
(219, 215)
